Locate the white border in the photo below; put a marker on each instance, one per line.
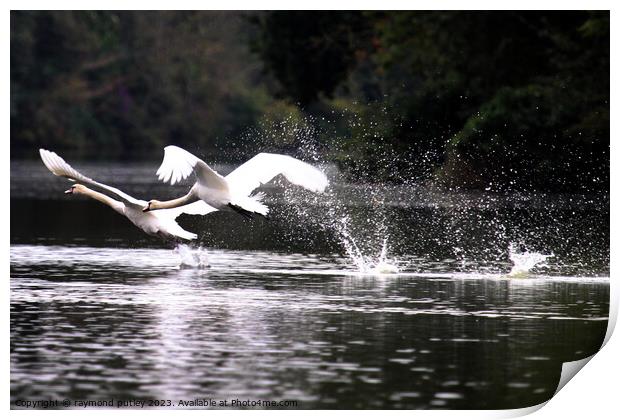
(593, 393)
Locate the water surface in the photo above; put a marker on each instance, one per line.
(100, 311)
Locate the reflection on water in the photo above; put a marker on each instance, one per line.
(100, 311)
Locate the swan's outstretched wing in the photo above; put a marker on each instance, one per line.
(263, 167)
(178, 164)
(168, 216)
(59, 167)
(198, 207)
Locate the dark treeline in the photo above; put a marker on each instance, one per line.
(499, 100)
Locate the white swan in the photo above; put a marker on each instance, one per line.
(159, 223)
(233, 191)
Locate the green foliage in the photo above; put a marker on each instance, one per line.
(310, 53)
(543, 146)
(551, 133)
(502, 99)
(514, 100)
(124, 84)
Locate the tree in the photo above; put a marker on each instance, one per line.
(310, 52)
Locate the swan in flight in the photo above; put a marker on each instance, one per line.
(159, 223)
(233, 192)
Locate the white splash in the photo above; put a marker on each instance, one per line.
(524, 262)
(364, 264)
(191, 257)
(384, 265)
(350, 247)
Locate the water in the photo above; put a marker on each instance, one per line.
(525, 261)
(403, 301)
(192, 257)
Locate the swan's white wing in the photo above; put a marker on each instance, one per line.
(198, 207)
(59, 167)
(169, 216)
(263, 167)
(178, 164)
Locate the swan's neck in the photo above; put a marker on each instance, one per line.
(190, 197)
(116, 205)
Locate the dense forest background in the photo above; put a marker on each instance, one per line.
(488, 100)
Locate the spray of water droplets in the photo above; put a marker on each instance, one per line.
(371, 222)
(525, 261)
(191, 257)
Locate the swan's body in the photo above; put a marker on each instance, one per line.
(159, 223)
(233, 192)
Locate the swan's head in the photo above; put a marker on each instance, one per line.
(75, 189)
(151, 205)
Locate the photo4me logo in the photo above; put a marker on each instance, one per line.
(236, 403)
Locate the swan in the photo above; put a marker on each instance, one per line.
(159, 223)
(233, 192)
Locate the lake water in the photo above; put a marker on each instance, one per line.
(285, 313)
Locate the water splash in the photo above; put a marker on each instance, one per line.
(365, 264)
(357, 213)
(525, 261)
(350, 246)
(385, 265)
(191, 257)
